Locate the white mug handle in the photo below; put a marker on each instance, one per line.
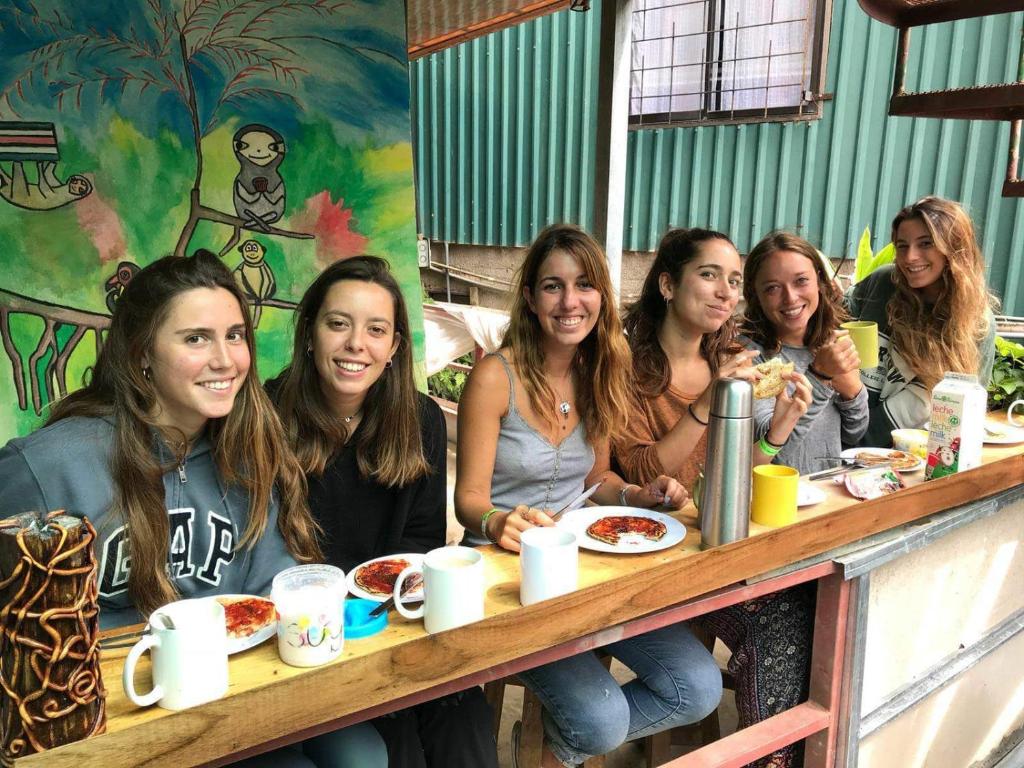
(1013, 406)
(397, 590)
(128, 676)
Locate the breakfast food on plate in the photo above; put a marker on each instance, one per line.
(900, 459)
(245, 616)
(611, 529)
(772, 383)
(379, 577)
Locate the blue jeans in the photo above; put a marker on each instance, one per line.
(587, 713)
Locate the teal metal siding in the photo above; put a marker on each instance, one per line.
(504, 131)
(498, 184)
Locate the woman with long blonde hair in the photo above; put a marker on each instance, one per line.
(535, 423)
(933, 312)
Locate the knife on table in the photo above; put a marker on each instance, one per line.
(410, 584)
(578, 501)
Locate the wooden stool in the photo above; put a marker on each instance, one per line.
(658, 747)
(531, 739)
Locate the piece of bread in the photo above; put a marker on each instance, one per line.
(772, 383)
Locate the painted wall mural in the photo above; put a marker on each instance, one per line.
(273, 132)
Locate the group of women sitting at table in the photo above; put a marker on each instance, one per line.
(199, 481)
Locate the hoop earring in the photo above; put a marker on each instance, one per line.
(388, 363)
(309, 351)
(668, 300)
(147, 373)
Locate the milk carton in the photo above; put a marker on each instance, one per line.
(957, 427)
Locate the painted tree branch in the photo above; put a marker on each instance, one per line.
(53, 315)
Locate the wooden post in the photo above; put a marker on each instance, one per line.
(52, 692)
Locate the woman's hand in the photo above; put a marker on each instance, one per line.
(664, 490)
(837, 357)
(736, 366)
(789, 408)
(739, 366)
(520, 519)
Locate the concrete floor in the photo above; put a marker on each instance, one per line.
(628, 755)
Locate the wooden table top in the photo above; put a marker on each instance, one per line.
(269, 700)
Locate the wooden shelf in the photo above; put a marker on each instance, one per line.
(984, 102)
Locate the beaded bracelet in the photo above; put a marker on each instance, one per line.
(483, 525)
(767, 448)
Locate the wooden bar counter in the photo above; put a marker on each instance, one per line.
(270, 703)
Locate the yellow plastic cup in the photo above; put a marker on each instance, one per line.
(773, 495)
(864, 335)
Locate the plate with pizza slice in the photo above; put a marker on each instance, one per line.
(374, 579)
(901, 460)
(250, 620)
(623, 529)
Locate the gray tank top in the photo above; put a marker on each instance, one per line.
(528, 469)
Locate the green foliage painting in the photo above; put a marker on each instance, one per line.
(273, 133)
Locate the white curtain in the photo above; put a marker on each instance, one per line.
(760, 55)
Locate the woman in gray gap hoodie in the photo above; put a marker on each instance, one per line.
(172, 450)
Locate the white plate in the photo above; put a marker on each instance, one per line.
(851, 453)
(1010, 434)
(236, 644)
(579, 520)
(356, 591)
(807, 495)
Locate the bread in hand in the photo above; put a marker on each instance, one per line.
(772, 383)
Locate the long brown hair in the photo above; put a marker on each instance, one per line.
(248, 444)
(644, 317)
(602, 362)
(829, 314)
(389, 447)
(943, 337)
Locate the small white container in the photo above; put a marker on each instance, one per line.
(310, 602)
(957, 426)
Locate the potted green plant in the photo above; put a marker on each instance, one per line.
(1007, 382)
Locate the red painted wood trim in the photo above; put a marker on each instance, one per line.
(738, 749)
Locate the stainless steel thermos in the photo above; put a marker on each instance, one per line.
(725, 502)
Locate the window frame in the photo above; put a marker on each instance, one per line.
(808, 109)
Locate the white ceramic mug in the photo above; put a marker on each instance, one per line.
(310, 603)
(548, 564)
(188, 642)
(453, 588)
(1015, 405)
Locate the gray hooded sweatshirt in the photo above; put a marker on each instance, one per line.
(67, 466)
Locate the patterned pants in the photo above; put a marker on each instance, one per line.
(770, 639)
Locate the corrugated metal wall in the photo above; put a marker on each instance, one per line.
(504, 145)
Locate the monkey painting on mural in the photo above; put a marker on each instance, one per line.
(255, 277)
(259, 188)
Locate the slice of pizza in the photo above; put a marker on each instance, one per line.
(245, 616)
(613, 528)
(379, 577)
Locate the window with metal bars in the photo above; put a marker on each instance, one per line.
(739, 61)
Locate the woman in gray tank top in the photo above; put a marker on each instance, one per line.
(535, 422)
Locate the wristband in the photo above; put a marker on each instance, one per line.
(767, 448)
(776, 446)
(622, 494)
(694, 416)
(483, 525)
(818, 374)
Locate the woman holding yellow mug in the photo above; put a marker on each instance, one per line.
(933, 313)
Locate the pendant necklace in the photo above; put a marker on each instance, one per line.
(348, 419)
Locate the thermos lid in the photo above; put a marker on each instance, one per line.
(732, 399)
